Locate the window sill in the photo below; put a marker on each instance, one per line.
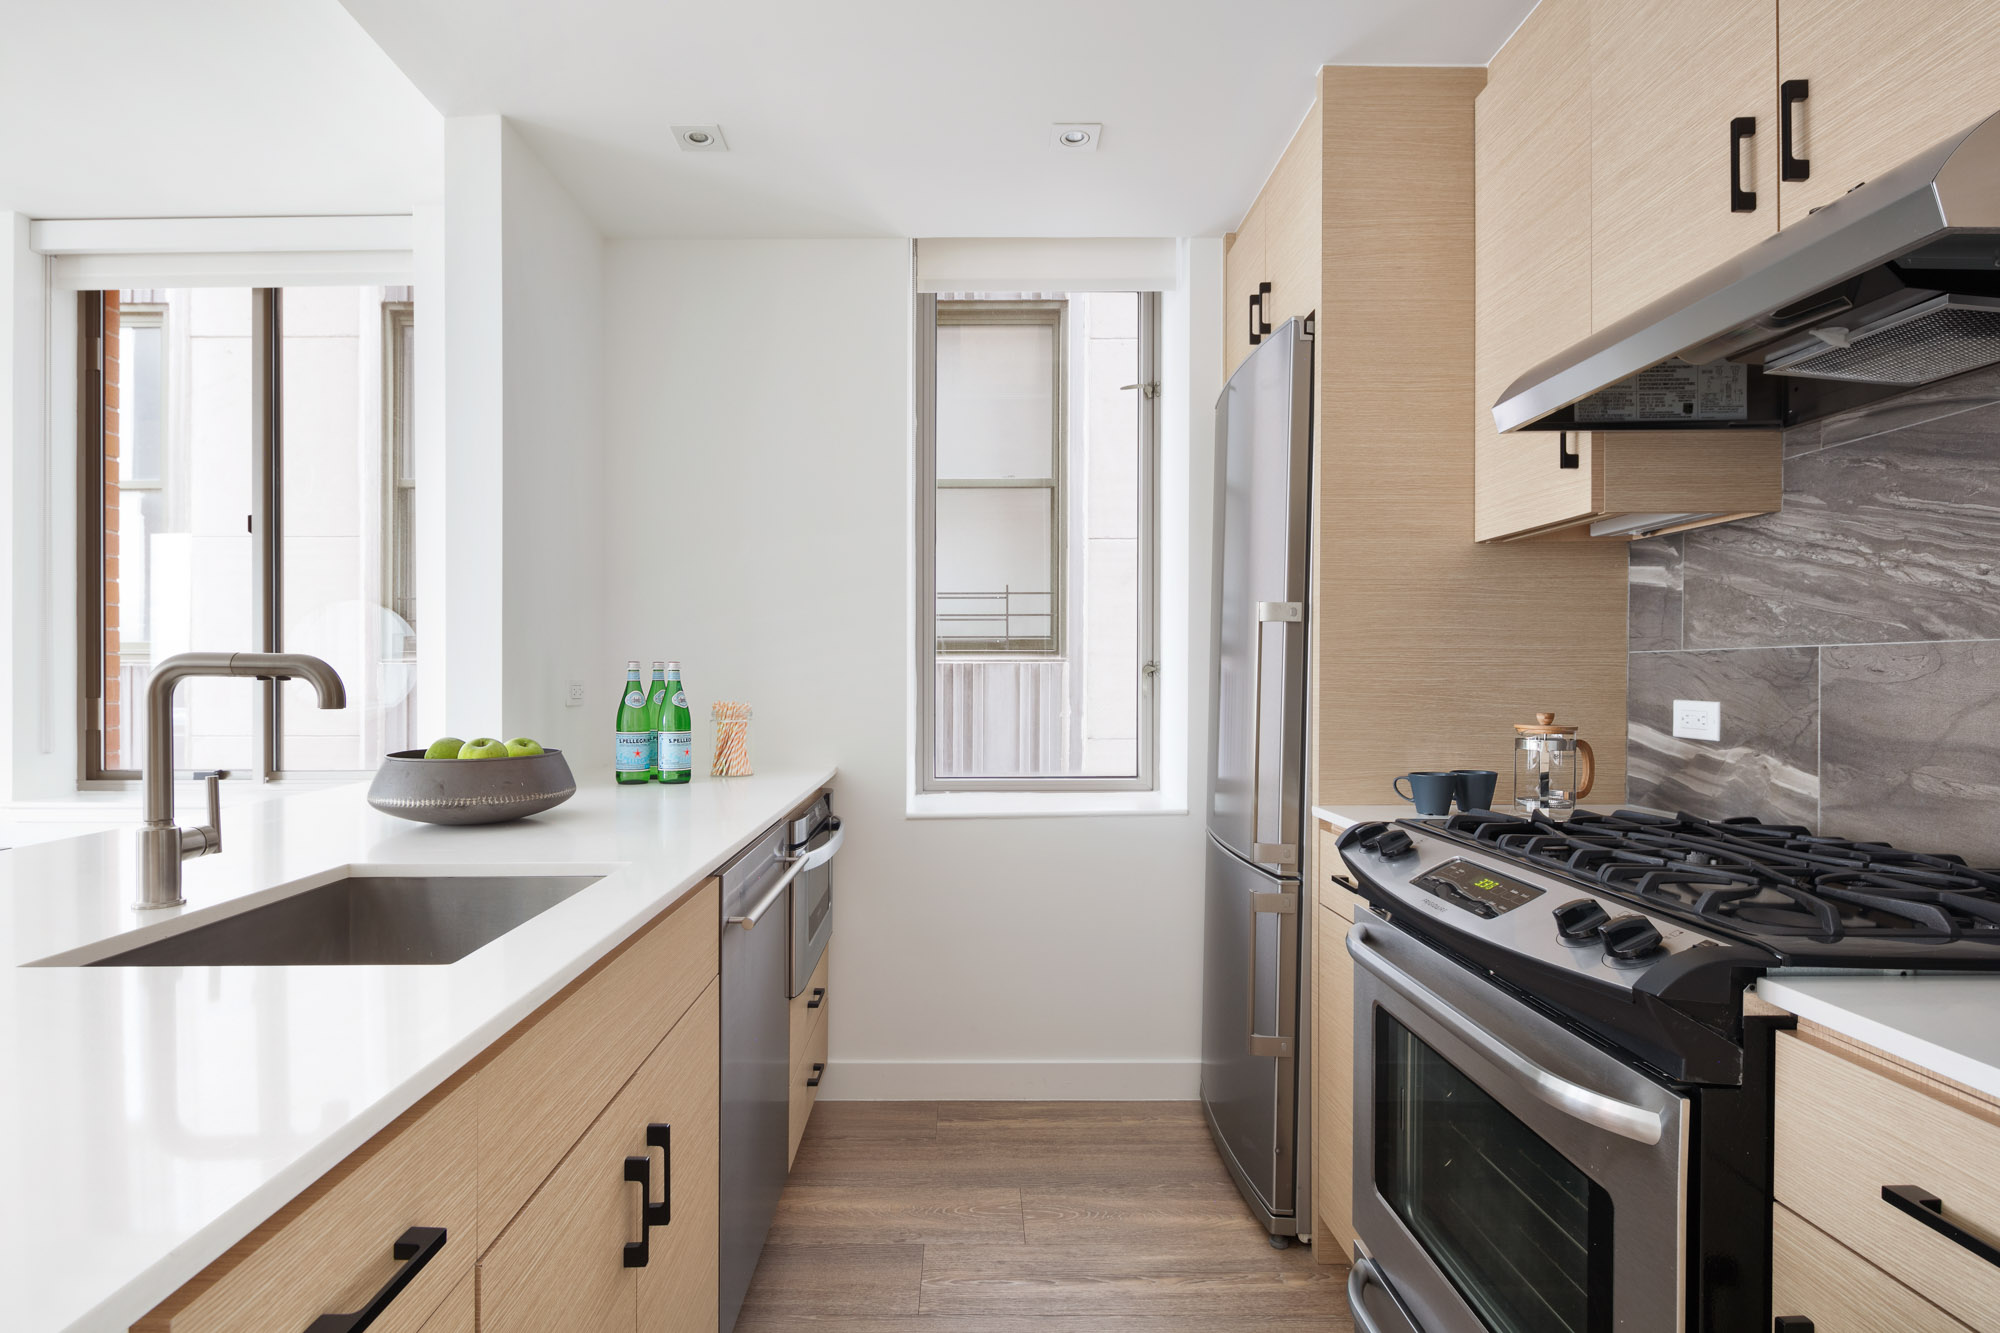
(1039, 804)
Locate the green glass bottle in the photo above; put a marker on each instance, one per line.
(675, 742)
(635, 731)
(656, 708)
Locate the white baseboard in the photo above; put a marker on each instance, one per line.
(1012, 1080)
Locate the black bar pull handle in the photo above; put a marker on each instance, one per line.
(1740, 199)
(1791, 1323)
(1260, 328)
(813, 1082)
(1566, 457)
(639, 1171)
(1790, 93)
(413, 1249)
(1929, 1209)
(819, 997)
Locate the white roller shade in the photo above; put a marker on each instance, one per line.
(1015, 264)
(92, 253)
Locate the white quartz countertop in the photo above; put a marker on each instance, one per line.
(1943, 1023)
(152, 1117)
(1343, 817)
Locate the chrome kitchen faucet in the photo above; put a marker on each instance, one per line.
(162, 845)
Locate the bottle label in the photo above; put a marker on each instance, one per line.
(635, 752)
(680, 699)
(676, 751)
(635, 698)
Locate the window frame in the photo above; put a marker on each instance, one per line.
(399, 590)
(1146, 687)
(265, 520)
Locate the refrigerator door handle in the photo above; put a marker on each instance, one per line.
(1278, 904)
(1283, 613)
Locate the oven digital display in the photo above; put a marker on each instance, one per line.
(1476, 888)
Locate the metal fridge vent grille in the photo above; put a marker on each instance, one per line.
(1944, 341)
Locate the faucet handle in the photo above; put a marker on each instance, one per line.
(213, 833)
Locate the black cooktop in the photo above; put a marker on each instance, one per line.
(1809, 898)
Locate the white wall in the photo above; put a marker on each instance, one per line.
(758, 406)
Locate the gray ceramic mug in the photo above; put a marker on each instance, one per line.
(1431, 793)
(1475, 787)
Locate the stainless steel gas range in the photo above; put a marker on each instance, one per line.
(1562, 1112)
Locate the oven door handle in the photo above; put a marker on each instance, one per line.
(1365, 1271)
(1572, 1099)
(794, 866)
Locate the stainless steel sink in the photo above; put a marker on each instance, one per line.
(362, 920)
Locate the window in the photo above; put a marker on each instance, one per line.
(248, 473)
(1036, 516)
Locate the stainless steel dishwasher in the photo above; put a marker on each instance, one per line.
(756, 1055)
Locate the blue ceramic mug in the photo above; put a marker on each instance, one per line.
(1431, 793)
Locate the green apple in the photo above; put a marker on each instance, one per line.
(522, 746)
(484, 747)
(445, 747)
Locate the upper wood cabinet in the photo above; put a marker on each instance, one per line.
(1243, 269)
(1678, 88)
(1278, 244)
(1883, 83)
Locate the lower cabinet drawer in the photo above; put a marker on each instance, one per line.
(1815, 1276)
(460, 1311)
(332, 1249)
(564, 1262)
(1846, 1131)
(1333, 1061)
(806, 1072)
(809, 1005)
(554, 1074)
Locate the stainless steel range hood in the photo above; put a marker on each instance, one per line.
(1895, 284)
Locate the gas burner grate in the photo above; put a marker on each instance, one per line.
(1762, 879)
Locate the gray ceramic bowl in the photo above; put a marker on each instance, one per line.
(470, 791)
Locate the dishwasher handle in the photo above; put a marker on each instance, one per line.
(794, 867)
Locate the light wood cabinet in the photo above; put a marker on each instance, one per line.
(1816, 1277)
(1884, 82)
(1243, 272)
(810, 1010)
(1333, 1058)
(1668, 80)
(332, 1248)
(544, 1119)
(1560, 147)
(1845, 1129)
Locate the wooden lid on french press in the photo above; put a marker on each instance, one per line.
(1543, 725)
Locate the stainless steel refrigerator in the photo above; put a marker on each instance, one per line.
(1254, 1077)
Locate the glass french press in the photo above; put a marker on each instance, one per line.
(1553, 770)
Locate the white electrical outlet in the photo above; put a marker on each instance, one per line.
(1698, 719)
(575, 699)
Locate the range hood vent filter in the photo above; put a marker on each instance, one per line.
(1945, 336)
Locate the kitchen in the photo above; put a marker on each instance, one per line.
(1346, 377)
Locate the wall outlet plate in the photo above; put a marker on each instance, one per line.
(1698, 719)
(575, 699)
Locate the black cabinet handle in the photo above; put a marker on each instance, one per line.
(819, 997)
(1929, 1209)
(413, 1249)
(1566, 457)
(1740, 199)
(639, 1171)
(1791, 1323)
(813, 1082)
(1790, 93)
(1260, 328)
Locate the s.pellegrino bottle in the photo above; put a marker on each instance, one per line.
(656, 708)
(676, 734)
(635, 731)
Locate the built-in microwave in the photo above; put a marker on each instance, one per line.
(814, 834)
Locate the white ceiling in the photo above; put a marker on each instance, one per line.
(169, 108)
(912, 117)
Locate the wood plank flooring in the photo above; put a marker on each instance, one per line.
(1026, 1217)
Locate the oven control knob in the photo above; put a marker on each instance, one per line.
(1629, 938)
(1577, 921)
(1393, 844)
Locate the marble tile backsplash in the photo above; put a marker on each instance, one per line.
(1853, 640)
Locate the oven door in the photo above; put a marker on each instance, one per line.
(812, 892)
(1510, 1177)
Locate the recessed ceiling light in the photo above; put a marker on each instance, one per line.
(1076, 137)
(701, 138)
